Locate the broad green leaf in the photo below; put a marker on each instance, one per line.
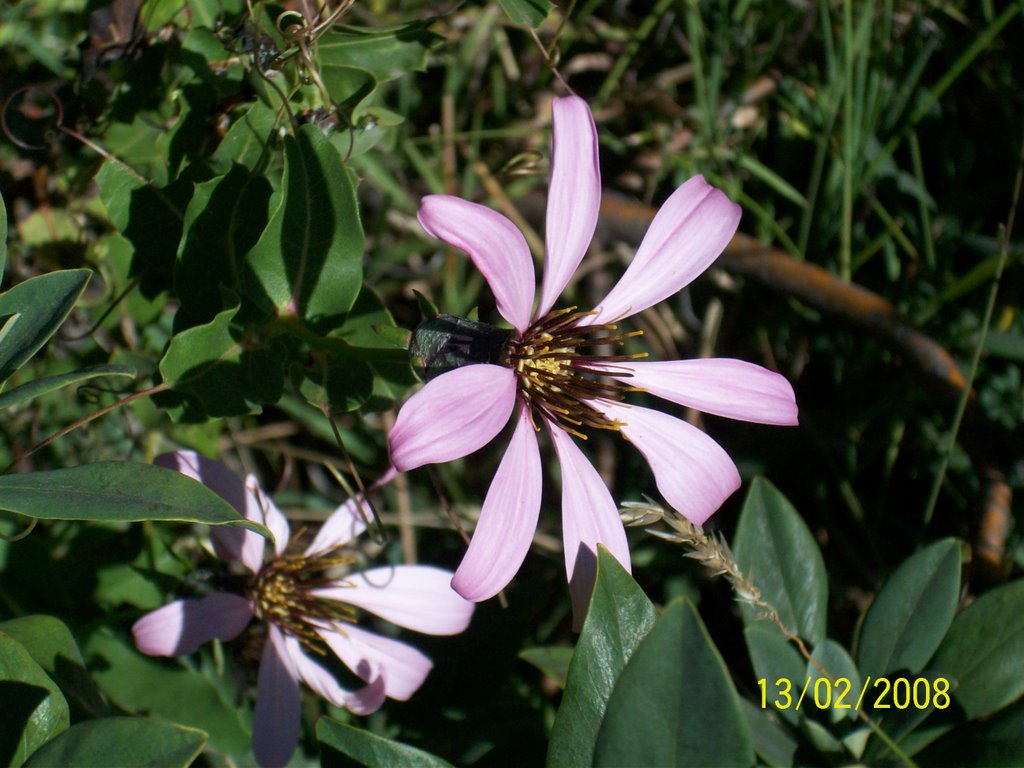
(46, 384)
(117, 490)
(553, 661)
(619, 617)
(984, 651)
(127, 742)
(308, 262)
(529, 12)
(994, 742)
(772, 742)
(835, 682)
(225, 376)
(911, 614)
(225, 218)
(386, 53)
(247, 141)
(32, 708)
(164, 689)
(53, 648)
(672, 687)
(913, 727)
(42, 303)
(370, 749)
(774, 547)
(3, 236)
(778, 664)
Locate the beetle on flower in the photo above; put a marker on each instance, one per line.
(307, 607)
(553, 371)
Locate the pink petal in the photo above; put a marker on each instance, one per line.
(724, 387)
(687, 235)
(179, 628)
(692, 471)
(589, 517)
(508, 518)
(230, 543)
(365, 701)
(276, 719)
(455, 414)
(403, 667)
(272, 516)
(346, 522)
(574, 195)
(495, 245)
(417, 597)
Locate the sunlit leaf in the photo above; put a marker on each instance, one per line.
(674, 685)
(117, 490)
(41, 303)
(369, 749)
(127, 742)
(619, 617)
(46, 384)
(529, 12)
(552, 660)
(32, 708)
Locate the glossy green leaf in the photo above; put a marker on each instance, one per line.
(912, 613)
(774, 547)
(224, 376)
(619, 617)
(529, 12)
(162, 688)
(386, 53)
(552, 660)
(308, 262)
(32, 708)
(994, 742)
(247, 141)
(54, 649)
(127, 742)
(117, 490)
(41, 303)
(370, 749)
(672, 687)
(772, 743)
(835, 682)
(46, 384)
(984, 651)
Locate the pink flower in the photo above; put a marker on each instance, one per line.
(552, 371)
(304, 606)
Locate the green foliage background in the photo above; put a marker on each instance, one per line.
(209, 241)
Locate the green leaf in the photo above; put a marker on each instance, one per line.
(42, 304)
(54, 649)
(529, 12)
(841, 685)
(385, 53)
(776, 662)
(911, 614)
(32, 708)
(117, 490)
(984, 651)
(224, 220)
(247, 141)
(166, 690)
(775, 548)
(995, 742)
(369, 749)
(127, 742)
(46, 384)
(223, 375)
(619, 617)
(552, 660)
(673, 686)
(308, 262)
(772, 742)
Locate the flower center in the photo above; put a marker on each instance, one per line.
(283, 594)
(561, 366)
